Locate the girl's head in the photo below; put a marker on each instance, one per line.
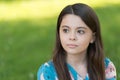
(87, 15)
(73, 22)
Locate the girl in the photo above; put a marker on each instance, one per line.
(78, 53)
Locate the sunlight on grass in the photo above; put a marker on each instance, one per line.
(41, 9)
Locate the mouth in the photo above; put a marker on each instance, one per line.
(72, 45)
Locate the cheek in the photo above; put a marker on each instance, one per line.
(85, 40)
(63, 38)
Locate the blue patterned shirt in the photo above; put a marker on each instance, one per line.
(47, 72)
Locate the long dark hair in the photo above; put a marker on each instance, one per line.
(95, 56)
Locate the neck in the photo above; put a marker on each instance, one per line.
(77, 59)
(79, 63)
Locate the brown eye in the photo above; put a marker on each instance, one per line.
(81, 31)
(65, 30)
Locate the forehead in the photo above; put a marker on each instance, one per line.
(72, 20)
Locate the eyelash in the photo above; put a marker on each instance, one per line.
(81, 31)
(65, 30)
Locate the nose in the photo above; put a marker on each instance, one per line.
(72, 36)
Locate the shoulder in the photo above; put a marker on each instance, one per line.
(46, 72)
(110, 70)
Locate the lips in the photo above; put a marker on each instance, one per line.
(72, 45)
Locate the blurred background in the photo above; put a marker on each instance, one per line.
(27, 34)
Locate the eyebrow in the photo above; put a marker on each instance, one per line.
(65, 26)
(80, 27)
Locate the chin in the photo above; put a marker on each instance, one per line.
(72, 52)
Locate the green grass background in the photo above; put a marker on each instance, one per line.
(27, 34)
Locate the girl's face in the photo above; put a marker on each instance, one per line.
(75, 35)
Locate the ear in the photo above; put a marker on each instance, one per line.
(93, 38)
